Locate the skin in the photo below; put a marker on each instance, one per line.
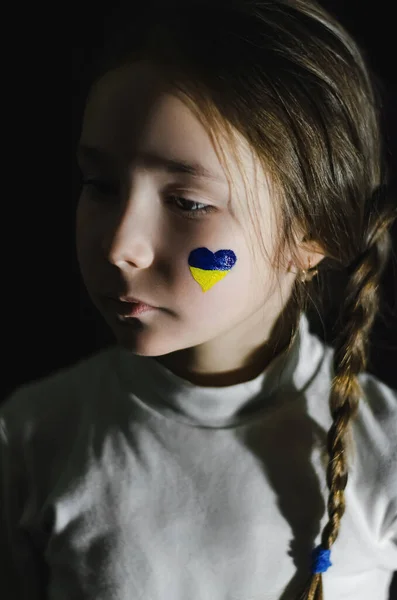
(134, 236)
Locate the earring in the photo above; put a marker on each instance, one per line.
(308, 275)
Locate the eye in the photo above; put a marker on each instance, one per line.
(192, 208)
(102, 186)
(109, 188)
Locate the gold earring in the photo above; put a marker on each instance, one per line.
(305, 275)
(308, 275)
(311, 274)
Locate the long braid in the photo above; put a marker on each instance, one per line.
(350, 358)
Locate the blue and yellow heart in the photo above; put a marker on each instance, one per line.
(209, 267)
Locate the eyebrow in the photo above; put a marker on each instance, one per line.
(151, 160)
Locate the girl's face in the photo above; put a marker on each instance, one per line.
(141, 220)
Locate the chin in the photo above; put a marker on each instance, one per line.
(143, 342)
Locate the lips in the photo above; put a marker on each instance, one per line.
(131, 299)
(125, 308)
(135, 309)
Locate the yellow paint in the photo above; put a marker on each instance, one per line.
(206, 279)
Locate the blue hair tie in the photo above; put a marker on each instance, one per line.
(321, 559)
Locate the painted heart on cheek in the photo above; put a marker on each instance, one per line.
(209, 267)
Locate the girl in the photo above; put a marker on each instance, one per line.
(218, 450)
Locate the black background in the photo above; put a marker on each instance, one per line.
(48, 320)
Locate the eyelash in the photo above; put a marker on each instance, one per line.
(107, 188)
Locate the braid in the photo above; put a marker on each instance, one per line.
(350, 358)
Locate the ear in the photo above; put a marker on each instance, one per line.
(308, 251)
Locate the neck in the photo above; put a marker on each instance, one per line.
(180, 362)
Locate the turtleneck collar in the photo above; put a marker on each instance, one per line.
(218, 407)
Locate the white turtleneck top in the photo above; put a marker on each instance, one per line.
(122, 481)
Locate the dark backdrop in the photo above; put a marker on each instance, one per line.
(48, 319)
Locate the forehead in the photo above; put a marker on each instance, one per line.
(118, 103)
(131, 111)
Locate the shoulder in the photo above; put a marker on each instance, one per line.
(376, 419)
(377, 414)
(375, 453)
(54, 399)
(371, 457)
(376, 426)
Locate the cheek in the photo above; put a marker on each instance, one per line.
(90, 228)
(88, 237)
(209, 268)
(83, 222)
(81, 232)
(215, 279)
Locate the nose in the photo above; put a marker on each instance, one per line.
(131, 241)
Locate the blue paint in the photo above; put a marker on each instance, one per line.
(202, 258)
